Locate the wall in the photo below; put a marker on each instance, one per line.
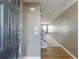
(65, 29)
(31, 41)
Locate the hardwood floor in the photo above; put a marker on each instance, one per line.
(54, 53)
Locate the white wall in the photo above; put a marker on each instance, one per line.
(65, 27)
(51, 42)
(31, 20)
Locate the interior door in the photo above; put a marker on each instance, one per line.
(8, 28)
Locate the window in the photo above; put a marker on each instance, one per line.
(47, 28)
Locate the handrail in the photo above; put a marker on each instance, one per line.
(44, 43)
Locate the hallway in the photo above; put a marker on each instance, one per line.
(38, 29)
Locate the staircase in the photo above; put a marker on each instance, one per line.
(43, 43)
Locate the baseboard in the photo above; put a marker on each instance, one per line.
(43, 46)
(68, 52)
(31, 58)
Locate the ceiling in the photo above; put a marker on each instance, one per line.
(50, 9)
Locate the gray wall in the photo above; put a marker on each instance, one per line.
(31, 41)
(65, 31)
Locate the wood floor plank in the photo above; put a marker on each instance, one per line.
(54, 53)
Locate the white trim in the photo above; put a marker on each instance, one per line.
(31, 58)
(2, 25)
(68, 51)
(43, 46)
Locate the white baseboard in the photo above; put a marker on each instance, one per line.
(32, 57)
(68, 52)
(43, 46)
